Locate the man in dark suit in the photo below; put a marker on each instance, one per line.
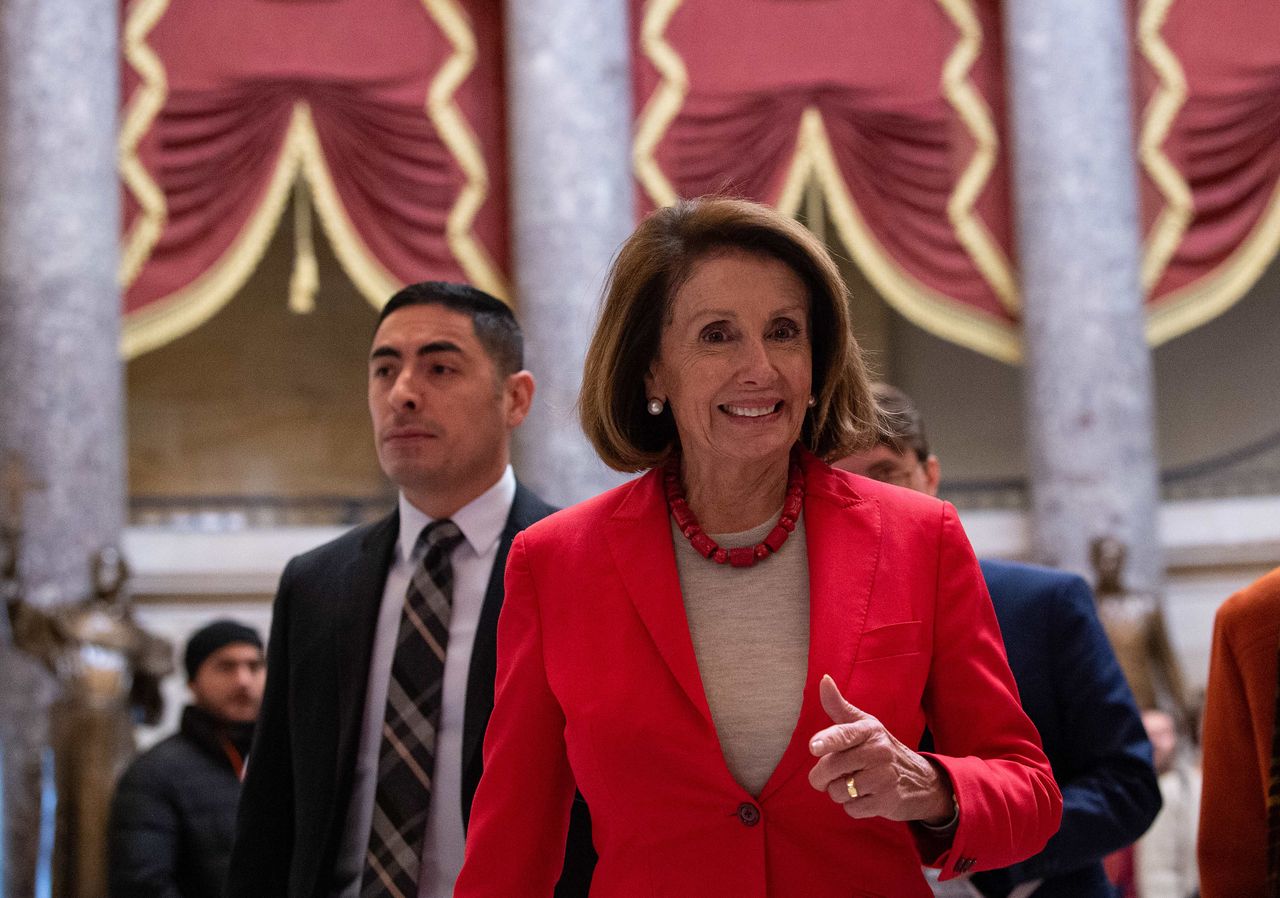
(1071, 687)
(383, 642)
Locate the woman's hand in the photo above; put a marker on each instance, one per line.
(890, 779)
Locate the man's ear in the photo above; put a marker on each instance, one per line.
(517, 395)
(932, 475)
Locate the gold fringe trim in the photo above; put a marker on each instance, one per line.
(451, 124)
(964, 97)
(1172, 222)
(1210, 296)
(304, 282)
(662, 108)
(929, 309)
(141, 17)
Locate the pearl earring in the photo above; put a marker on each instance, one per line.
(656, 406)
(813, 400)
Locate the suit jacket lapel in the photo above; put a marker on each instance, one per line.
(358, 600)
(526, 509)
(639, 537)
(843, 536)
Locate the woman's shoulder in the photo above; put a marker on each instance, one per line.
(841, 485)
(1252, 615)
(584, 518)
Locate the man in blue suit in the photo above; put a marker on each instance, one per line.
(1071, 686)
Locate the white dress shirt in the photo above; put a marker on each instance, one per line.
(481, 522)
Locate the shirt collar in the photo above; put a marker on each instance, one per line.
(481, 520)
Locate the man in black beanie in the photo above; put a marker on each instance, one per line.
(173, 816)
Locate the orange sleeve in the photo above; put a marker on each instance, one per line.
(1232, 841)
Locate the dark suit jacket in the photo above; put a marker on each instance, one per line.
(1073, 690)
(298, 782)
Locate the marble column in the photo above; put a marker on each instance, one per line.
(60, 370)
(1089, 397)
(569, 114)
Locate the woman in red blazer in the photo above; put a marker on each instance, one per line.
(635, 650)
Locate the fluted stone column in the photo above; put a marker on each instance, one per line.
(569, 113)
(1089, 398)
(60, 371)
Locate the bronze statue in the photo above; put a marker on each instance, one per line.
(108, 668)
(1135, 624)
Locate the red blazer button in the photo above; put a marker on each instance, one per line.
(748, 813)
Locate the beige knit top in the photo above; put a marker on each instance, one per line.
(750, 629)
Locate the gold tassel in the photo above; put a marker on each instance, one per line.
(815, 210)
(304, 283)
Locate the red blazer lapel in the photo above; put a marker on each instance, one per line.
(843, 538)
(639, 538)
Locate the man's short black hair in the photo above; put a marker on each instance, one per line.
(495, 324)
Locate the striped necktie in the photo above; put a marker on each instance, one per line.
(406, 759)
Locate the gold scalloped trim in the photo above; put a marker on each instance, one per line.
(300, 156)
(813, 158)
(939, 314)
(665, 104)
(184, 310)
(963, 95)
(1208, 297)
(452, 126)
(1157, 121)
(141, 17)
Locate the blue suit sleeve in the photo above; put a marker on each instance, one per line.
(1102, 761)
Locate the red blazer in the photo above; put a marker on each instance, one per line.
(598, 686)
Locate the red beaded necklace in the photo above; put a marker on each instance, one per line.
(743, 556)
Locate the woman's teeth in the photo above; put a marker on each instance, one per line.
(746, 411)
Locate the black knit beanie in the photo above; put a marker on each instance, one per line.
(208, 639)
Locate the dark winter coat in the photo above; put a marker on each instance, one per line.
(174, 812)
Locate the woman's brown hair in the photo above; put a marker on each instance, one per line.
(651, 267)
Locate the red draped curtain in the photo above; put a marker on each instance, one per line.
(897, 112)
(1208, 89)
(388, 111)
(390, 114)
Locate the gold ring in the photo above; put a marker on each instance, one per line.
(851, 787)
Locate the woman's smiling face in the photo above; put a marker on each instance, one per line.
(735, 361)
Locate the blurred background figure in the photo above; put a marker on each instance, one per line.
(1165, 857)
(173, 816)
(1135, 624)
(1239, 841)
(1070, 684)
